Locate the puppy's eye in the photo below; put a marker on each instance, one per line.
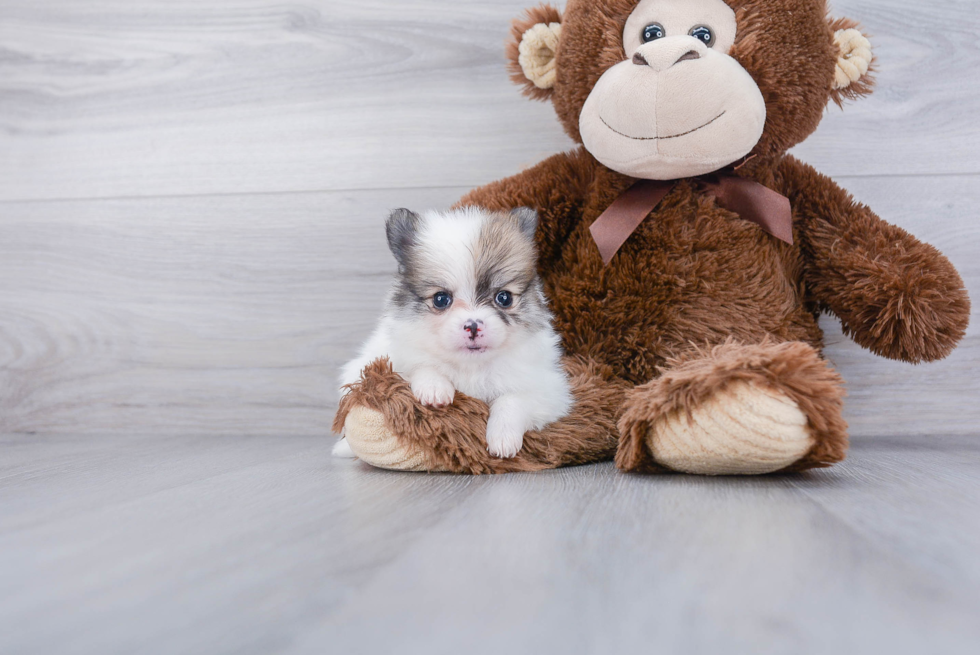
(652, 32)
(442, 300)
(504, 299)
(703, 34)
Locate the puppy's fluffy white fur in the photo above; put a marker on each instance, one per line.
(493, 340)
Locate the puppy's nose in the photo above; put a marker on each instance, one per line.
(473, 327)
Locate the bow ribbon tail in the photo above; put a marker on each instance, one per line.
(750, 200)
(754, 202)
(615, 225)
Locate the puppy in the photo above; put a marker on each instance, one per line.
(467, 313)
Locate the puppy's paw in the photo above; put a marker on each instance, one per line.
(505, 436)
(433, 391)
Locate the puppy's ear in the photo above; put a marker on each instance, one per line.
(401, 228)
(527, 221)
(531, 50)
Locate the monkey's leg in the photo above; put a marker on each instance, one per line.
(387, 427)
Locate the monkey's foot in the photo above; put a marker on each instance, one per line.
(371, 440)
(737, 410)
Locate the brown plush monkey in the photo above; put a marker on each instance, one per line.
(696, 347)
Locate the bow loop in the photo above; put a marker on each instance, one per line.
(750, 200)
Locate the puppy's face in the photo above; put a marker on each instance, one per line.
(467, 282)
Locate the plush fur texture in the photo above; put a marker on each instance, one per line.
(451, 438)
(698, 301)
(467, 313)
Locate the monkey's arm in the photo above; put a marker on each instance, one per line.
(896, 296)
(555, 188)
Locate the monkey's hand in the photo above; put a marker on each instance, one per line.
(896, 296)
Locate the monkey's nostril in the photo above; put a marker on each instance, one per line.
(690, 54)
(640, 60)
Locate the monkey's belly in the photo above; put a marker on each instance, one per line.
(672, 288)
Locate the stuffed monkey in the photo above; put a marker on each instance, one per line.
(687, 256)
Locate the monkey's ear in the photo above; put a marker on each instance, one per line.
(853, 76)
(531, 50)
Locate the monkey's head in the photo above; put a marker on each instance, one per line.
(665, 89)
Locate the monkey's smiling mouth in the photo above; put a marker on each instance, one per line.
(659, 138)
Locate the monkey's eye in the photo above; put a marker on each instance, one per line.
(442, 300)
(504, 299)
(652, 32)
(703, 34)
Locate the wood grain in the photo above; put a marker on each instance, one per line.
(191, 207)
(109, 99)
(130, 544)
(232, 314)
(136, 545)
(675, 564)
(214, 314)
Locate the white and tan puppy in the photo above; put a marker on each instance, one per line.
(467, 313)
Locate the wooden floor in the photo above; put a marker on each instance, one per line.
(191, 202)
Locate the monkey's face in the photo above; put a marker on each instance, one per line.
(665, 89)
(679, 105)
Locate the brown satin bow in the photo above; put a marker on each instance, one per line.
(749, 199)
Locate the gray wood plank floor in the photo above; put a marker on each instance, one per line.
(191, 201)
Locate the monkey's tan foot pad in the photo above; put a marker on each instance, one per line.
(371, 440)
(743, 430)
(736, 410)
(387, 427)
